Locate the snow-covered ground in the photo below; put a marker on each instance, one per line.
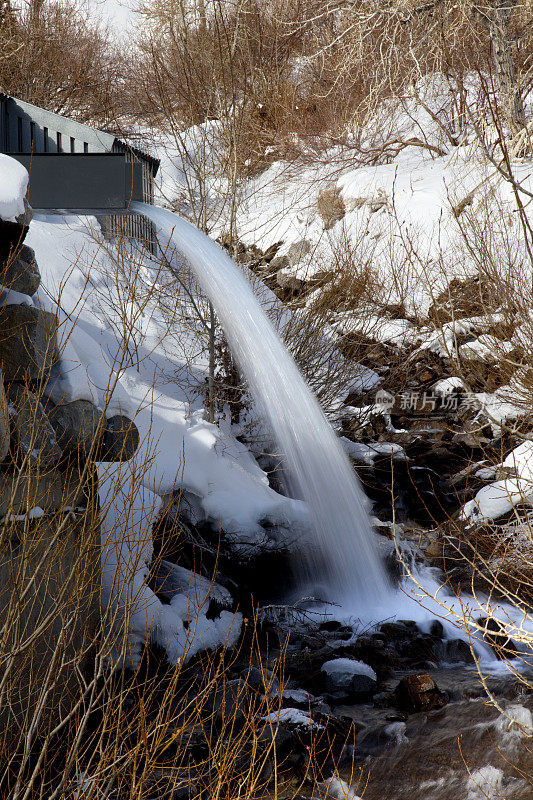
(401, 215)
(178, 448)
(406, 214)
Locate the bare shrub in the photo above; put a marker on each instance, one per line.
(330, 206)
(56, 57)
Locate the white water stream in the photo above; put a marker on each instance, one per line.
(342, 549)
(340, 552)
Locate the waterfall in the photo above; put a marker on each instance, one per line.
(340, 552)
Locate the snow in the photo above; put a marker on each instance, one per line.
(496, 499)
(520, 461)
(338, 665)
(9, 297)
(506, 404)
(485, 783)
(181, 628)
(486, 348)
(292, 716)
(448, 386)
(296, 695)
(380, 329)
(31, 513)
(13, 187)
(367, 453)
(178, 448)
(501, 496)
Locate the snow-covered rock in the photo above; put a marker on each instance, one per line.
(13, 188)
(500, 497)
(347, 678)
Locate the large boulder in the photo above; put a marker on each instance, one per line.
(30, 489)
(28, 342)
(76, 425)
(120, 439)
(20, 273)
(419, 692)
(33, 435)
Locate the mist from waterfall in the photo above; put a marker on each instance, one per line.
(340, 556)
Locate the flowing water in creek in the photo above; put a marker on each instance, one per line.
(340, 552)
(420, 757)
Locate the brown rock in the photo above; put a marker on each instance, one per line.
(419, 692)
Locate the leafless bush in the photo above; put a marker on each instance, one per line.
(56, 57)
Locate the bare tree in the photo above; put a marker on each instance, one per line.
(61, 60)
(496, 16)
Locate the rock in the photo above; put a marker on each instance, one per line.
(383, 699)
(20, 274)
(372, 651)
(346, 679)
(25, 219)
(299, 698)
(330, 626)
(434, 550)
(298, 251)
(278, 263)
(120, 439)
(437, 629)
(421, 648)
(262, 680)
(394, 630)
(282, 737)
(495, 635)
(4, 422)
(289, 283)
(321, 278)
(75, 424)
(419, 692)
(270, 252)
(21, 491)
(12, 235)
(32, 432)
(457, 651)
(229, 703)
(470, 297)
(28, 342)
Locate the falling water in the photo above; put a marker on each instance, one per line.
(341, 551)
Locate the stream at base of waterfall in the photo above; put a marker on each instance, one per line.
(340, 552)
